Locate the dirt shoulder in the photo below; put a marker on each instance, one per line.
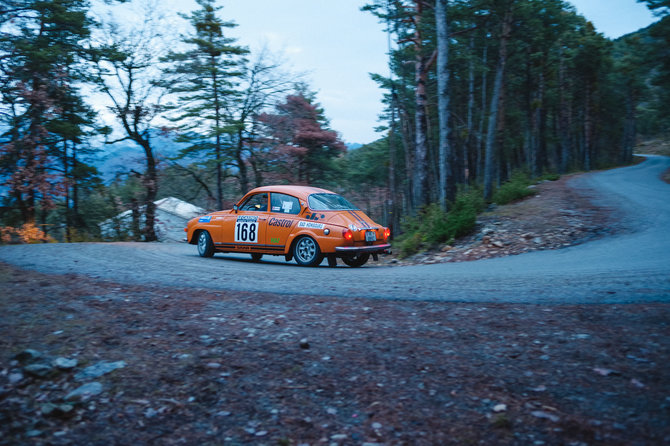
(557, 216)
(201, 367)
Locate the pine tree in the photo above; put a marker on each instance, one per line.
(205, 78)
(42, 45)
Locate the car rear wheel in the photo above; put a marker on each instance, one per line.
(356, 260)
(256, 257)
(205, 244)
(306, 252)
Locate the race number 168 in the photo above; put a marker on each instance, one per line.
(246, 232)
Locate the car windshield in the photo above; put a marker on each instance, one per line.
(330, 202)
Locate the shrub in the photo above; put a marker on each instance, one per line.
(28, 233)
(550, 177)
(433, 226)
(515, 189)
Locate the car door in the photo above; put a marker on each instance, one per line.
(284, 210)
(245, 231)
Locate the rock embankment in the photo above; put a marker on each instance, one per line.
(556, 217)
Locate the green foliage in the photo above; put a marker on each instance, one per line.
(366, 165)
(433, 225)
(550, 177)
(515, 189)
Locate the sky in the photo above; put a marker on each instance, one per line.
(336, 46)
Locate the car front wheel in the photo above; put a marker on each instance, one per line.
(306, 252)
(205, 245)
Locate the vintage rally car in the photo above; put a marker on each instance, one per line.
(297, 222)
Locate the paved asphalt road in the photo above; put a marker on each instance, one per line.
(630, 267)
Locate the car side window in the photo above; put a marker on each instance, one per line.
(284, 204)
(258, 203)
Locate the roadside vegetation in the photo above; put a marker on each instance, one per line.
(434, 226)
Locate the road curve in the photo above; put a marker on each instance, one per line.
(630, 267)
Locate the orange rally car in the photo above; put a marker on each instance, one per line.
(305, 223)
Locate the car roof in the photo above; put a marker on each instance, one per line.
(297, 191)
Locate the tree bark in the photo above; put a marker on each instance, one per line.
(218, 151)
(630, 127)
(447, 191)
(420, 192)
(241, 165)
(151, 188)
(564, 115)
(588, 128)
(66, 185)
(489, 161)
(482, 117)
(471, 106)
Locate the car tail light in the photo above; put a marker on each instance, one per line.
(348, 235)
(387, 233)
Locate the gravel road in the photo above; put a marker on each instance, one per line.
(633, 266)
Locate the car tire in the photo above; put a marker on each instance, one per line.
(356, 261)
(306, 252)
(205, 244)
(256, 257)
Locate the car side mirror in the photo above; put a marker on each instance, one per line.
(236, 208)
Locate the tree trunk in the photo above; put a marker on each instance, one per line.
(630, 130)
(66, 185)
(151, 187)
(76, 216)
(588, 128)
(406, 128)
(541, 160)
(241, 165)
(420, 192)
(482, 117)
(564, 116)
(471, 106)
(447, 191)
(393, 189)
(217, 122)
(489, 162)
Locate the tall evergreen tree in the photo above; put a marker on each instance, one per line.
(205, 77)
(659, 54)
(41, 44)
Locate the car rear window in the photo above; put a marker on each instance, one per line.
(329, 202)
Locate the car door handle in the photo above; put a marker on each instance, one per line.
(262, 219)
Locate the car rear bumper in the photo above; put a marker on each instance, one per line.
(372, 249)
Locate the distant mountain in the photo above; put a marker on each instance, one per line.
(125, 156)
